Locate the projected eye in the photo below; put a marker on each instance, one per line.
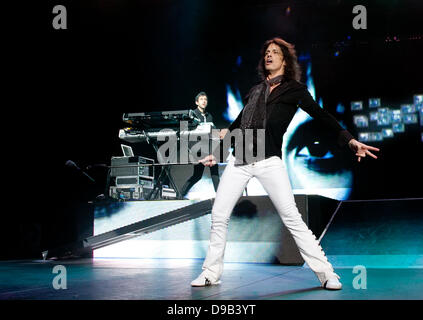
(305, 152)
(314, 149)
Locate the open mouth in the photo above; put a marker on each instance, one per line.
(269, 61)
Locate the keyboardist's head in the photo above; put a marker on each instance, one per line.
(201, 101)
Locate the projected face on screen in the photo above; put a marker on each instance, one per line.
(314, 162)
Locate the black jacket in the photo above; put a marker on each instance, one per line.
(281, 106)
(199, 117)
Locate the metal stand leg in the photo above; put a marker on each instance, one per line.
(164, 170)
(107, 191)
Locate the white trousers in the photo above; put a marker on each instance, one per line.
(272, 175)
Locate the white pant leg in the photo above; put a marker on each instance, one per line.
(273, 176)
(232, 183)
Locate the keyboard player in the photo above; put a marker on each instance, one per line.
(201, 116)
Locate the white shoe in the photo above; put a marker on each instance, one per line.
(333, 283)
(204, 281)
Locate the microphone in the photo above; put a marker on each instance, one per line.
(71, 164)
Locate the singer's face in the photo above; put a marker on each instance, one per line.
(202, 102)
(273, 58)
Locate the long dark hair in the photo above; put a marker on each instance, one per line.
(292, 68)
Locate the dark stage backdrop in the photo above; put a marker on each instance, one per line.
(70, 87)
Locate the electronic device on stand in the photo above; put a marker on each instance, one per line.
(135, 177)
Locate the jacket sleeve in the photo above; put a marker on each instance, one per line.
(307, 103)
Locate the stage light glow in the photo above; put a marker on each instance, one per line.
(288, 11)
(234, 102)
(374, 102)
(408, 108)
(310, 82)
(387, 133)
(340, 108)
(361, 121)
(356, 105)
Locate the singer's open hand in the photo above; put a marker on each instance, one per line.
(208, 161)
(361, 149)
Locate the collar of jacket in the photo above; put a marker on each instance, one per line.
(281, 89)
(199, 112)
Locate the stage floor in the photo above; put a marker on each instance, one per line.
(169, 279)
